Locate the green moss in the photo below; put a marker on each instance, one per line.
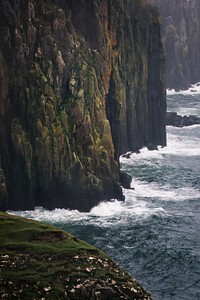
(18, 233)
(39, 260)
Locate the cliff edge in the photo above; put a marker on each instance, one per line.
(39, 261)
(81, 82)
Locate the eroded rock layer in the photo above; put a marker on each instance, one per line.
(80, 83)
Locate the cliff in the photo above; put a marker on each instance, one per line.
(81, 82)
(3, 191)
(181, 38)
(39, 261)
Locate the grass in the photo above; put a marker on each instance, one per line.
(41, 261)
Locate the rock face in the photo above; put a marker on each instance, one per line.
(3, 191)
(81, 82)
(181, 37)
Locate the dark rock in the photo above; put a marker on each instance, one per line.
(152, 147)
(125, 180)
(118, 194)
(127, 155)
(3, 192)
(173, 119)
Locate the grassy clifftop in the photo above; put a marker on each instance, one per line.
(39, 261)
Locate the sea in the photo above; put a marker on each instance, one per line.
(155, 233)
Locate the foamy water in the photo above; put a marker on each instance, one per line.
(185, 102)
(193, 90)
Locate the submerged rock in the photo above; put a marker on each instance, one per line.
(39, 261)
(125, 180)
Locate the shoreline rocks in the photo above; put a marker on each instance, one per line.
(173, 119)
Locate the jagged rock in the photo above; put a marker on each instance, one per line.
(127, 155)
(88, 85)
(173, 119)
(125, 180)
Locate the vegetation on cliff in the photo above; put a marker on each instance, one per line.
(81, 82)
(39, 261)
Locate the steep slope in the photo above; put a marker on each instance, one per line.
(181, 37)
(81, 82)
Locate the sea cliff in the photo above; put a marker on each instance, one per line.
(81, 82)
(181, 39)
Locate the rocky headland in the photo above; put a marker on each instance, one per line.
(39, 261)
(81, 82)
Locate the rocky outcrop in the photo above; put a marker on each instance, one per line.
(125, 180)
(173, 119)
(39, 261)
(81, 82)
(181, 37)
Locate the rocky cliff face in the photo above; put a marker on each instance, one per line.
(3, 191)
(80, 83)
(181, 37)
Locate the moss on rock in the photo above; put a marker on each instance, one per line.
(41, 261)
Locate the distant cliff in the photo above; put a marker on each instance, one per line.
(81, 82)
(181, 37)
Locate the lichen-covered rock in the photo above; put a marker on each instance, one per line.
(81, 83)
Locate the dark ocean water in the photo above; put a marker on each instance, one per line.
(155, 233)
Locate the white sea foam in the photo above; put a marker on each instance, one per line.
(183, 141)
(56, 216)
(180, 142)
(183, 146)
(105, 214)
(193, 90)
(165, 192)
(107, 208)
